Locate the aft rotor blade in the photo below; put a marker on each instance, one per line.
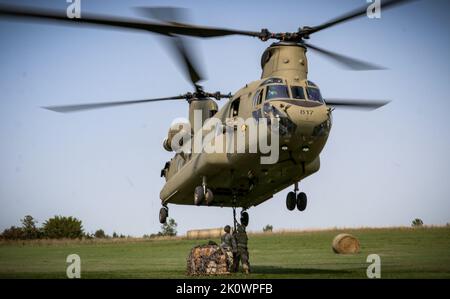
(48, 15)
(356, 104)
(345, 61)
(384, 4)
(177, 44)
(91, 106)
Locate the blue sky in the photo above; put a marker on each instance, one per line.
(379, 168)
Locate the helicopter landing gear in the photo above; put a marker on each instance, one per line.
(202, 193)
(296, 200)
(199, 195)
(209, 197)
(291, 201)
(244, 218)
(163, 214)
(302, 200)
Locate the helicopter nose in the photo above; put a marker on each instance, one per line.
(311, 122)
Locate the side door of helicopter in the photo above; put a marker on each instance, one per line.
(258, 99)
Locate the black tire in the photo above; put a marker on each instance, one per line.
(209, 197)
(291, 201)
(199, 195)
(302, 201)
(163, 213)
(245, 218)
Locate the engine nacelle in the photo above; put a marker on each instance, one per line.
(181, 131)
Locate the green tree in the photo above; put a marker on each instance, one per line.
(60, 227)
(417, 222)
(115, 235)
(169, 228)
(100, 234)
(29, 228)
(13, 233)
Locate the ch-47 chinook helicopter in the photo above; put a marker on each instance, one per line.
(237, 180)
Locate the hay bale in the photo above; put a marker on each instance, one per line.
(345, 244)
(208, 260)
(204, 233)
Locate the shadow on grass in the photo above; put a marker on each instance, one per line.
(281, 270)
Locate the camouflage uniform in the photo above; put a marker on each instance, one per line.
(242, 251)
(229, 247)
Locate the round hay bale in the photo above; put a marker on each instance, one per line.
(345, 244)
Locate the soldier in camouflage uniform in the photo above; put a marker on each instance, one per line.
(242, 251)
(228, 246)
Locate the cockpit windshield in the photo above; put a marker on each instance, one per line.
(314, 94)
(277, 91)
(297, 92)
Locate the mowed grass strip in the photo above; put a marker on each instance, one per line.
(405, 253)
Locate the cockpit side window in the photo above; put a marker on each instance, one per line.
(234, 111)
(257, 99)
(277, 91)
(314, 94)
(298, 92)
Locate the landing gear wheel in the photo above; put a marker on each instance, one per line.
(209, 197)
(163, 214)
(244, 218)
(291, 201)
(302, 200)
(199, 195)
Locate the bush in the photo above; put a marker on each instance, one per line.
(60, 227)
(13, 233)
(417, 222)
(100, 234)
(27, 231)
(169, 228)
(268, 228)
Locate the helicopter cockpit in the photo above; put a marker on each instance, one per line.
(276, 88)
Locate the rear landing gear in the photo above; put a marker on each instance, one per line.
(244, 218)
(302, 200)
(203, 194)
(296, 200)
(163, 214)
(291, 201)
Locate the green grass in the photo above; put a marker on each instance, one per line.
(405, 253)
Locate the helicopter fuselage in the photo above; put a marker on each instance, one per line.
(304, 125)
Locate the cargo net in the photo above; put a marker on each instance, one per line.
(209, 260)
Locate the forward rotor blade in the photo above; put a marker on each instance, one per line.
(91, 106)
(356, 104)
(48, 15)
(345, 61)
(179, 46)
(385, 4)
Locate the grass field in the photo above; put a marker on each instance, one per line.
(405, 253)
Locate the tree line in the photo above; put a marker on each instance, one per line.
(62, 227)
